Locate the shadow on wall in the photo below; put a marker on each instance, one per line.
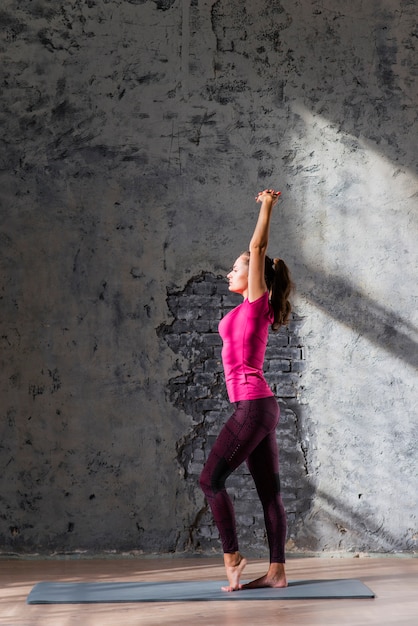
(353, 528)
(347, 305)
(354, 65)
(357, 70)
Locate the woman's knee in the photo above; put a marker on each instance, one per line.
(213, 481)
(204, 481)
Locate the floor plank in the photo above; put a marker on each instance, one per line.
(394, 581)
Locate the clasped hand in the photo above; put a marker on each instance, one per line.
(268, 193)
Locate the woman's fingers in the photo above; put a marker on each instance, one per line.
(270, 192)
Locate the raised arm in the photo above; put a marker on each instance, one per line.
(258, 244)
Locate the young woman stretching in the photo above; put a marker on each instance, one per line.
(249, 434)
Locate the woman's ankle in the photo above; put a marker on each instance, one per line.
(232, 559)
(276, 567)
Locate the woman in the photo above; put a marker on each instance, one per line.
(249, 434)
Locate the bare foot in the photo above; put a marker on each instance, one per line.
(275, 577)
(234, 565)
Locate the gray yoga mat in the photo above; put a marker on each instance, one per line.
(90, 592)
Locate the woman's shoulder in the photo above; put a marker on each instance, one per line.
(258, 307)
(259, 302)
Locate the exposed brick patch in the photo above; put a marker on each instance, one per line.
(200, 392)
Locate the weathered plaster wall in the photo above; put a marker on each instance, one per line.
(134, 136)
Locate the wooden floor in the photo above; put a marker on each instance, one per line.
(394, 581)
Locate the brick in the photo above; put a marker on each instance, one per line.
(207, 405)
(214, 429)
(294, 341)
(205, 303)
(195, 469)
(203, 379)
(211, 339)
(198, 455)
(203, 325)
(295, 325)
(213, 365)
(197, 391)
(279, 365)
(204, 288)
(213, 325)
(230, 301)
(180, 326)
(207, 531)
(185, 313)
(298, 366)
(291, 353)
(212, 417)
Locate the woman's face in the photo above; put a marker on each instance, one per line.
(238, 276)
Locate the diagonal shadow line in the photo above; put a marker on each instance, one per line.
(375, 92)
(351, 307)
(359, 523)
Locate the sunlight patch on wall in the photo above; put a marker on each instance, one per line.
(360, 210)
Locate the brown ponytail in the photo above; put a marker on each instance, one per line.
(280, 286)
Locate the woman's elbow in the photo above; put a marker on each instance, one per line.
(258, 247)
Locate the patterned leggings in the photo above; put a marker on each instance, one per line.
(249, 435)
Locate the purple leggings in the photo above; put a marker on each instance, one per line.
(249, 435)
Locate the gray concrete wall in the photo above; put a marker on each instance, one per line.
(135, 135)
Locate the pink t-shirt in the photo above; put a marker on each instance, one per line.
(244, 332)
